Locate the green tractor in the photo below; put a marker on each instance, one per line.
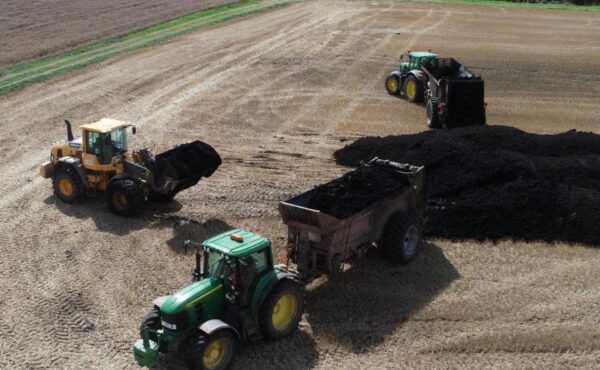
(410, 81)
(238, 295)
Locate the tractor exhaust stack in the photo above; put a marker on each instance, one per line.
(69, 131)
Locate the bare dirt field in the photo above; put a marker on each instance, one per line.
(276, 94)
(31, 29)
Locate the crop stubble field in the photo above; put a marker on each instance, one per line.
(276, 94)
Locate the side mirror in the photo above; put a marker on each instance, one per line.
(133, 130)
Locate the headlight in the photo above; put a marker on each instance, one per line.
(168, 325)
(51, 158)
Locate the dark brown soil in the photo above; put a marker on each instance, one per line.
(355, 191)
(499, 182)
(33, 29)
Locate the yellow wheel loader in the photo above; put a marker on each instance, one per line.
(100, 160)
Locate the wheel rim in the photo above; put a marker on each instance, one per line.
(411, 239)
(284, 311)
(215, 352)
(66, 187)
(392, 84)
(411, 89)
(119, 200)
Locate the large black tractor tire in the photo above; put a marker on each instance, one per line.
(151, 321)
(67, 185)
(433, 116)
(282, 310)
(392, 85)
(211, 352)
(160, 197)
(401, 238)
(413, 89)
(124, 197)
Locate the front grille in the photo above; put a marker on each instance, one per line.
(180, 320)
(199, 309)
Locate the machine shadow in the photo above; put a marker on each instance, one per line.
(186, 229)
(295, 352)
(367, 302)
(105, 221)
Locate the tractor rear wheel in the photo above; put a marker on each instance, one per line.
(124, 197)
(401, 238)
(392, 85)
(433, 117)
(413, 89)
(67, 185)
(210, 352)
(152, 322)
(282, 310)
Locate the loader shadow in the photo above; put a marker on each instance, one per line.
(374, 297)
(295, 352)
(187, 229)
(105, 221)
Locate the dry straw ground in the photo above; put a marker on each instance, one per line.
(277, 93)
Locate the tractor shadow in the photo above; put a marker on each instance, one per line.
(369, 301)
(295, 352)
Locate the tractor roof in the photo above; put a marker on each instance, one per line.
(227, 244)
(104, 125)
(423, 54)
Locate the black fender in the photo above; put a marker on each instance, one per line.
(66, 162)
(419, 75)
(120, 176)
(397, 74)
(212, 326)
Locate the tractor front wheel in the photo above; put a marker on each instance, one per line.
(67, 185)
(282, 310)
(211, 352)
(401, 238)
(152, 322)
(392, 85)
(413, 89)
(124, 197)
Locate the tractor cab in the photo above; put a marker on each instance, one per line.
(414, 59)
(240, 258)
(102, 141)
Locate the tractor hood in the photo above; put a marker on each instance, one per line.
(209, 289)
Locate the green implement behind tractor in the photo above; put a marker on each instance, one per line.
(238, 294)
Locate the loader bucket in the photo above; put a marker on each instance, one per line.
(185, 164)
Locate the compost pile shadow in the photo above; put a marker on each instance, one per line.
(187, 163)
(499, 182)
(355, 191)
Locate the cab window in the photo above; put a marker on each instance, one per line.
(252, 267)
(94, 143)
(118, 140)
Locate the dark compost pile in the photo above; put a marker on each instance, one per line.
(499, 182)
(355, 191)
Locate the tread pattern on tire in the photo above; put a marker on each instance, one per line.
(194, 348)
(266, 309)
(135, 196)
(393, 237)
(75, 179)
(152, 321)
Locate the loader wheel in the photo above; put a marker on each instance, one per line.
(124, 197)
(392, 85)
(282, 310)
(401, 238)
(67, 185)
(413, 89)
(211, 352)
(152, 322)
(433, 117)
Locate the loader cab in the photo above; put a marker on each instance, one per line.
(102, 141)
